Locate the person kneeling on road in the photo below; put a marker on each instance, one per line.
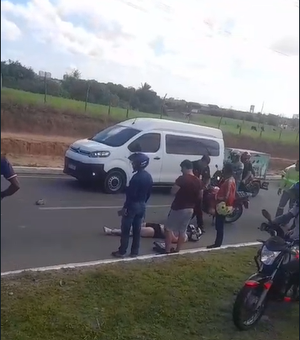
(133, 212)
(187, 190)
(9, 174)
(225, 199)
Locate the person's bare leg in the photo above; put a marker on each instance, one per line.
(181, 241)
(112, 232)
(174, 238)
(168, 240)
(145, 232)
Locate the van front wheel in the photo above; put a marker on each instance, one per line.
(114, 182)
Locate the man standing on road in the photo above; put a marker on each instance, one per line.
(8, 173)
(187, 190)
(225, 199)
(133, 212)
(290, 177)
(202, 171)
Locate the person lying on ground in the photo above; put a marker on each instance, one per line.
(157, 231)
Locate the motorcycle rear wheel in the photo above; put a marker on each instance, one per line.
(254, 189)
(240, 305)
(236, 214)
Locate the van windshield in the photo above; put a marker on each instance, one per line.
(115, 136)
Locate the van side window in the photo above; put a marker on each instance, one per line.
(181, 145)
(148, 143)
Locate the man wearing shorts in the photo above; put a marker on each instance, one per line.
(187, 190)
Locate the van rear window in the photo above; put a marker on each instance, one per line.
(115, 136)
(183, 145)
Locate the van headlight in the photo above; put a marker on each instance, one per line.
(267, 256)
(96, 154)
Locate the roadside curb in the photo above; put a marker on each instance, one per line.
(126, 259)
(29, 170)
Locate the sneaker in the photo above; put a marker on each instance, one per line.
(212, 246)
(117, 254)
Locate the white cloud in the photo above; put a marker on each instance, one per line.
(232, 53)
(9, 30)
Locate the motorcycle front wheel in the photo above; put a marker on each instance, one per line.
(236, 214)
(247, 303)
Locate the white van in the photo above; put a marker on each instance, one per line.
(167, 143)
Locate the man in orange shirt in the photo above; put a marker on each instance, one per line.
(226, 197)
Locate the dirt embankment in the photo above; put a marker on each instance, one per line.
(39, 136)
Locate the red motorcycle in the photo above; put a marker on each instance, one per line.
(209, 199)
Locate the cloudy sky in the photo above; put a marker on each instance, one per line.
(226, 52)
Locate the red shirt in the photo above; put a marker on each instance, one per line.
(227, 192)
(188, 194)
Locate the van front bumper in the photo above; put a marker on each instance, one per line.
(83, 171)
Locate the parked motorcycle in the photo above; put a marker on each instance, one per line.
(209, 202)
(255, 184)
(277, 277)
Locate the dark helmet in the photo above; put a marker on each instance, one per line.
(227, 169)
(234, 156)
(139, 161)
(206, 159)
(245, 156)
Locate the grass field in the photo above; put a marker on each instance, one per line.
(183, 298)
(227, 125)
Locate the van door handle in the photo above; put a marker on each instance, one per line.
(156, 158)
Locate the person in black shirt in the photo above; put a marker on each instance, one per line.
(201, 170)
(248, 170)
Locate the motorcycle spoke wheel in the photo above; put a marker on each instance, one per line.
(246, 312)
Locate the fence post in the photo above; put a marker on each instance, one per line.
(87, 96)
(127, 111)
(45, 86)
(220, 121)
(280, 133)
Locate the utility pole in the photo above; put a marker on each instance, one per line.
(262, 107)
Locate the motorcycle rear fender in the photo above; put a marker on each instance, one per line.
(262, 184)
(257, 280)
(246, 204)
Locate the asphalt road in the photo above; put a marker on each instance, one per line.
(68, 228)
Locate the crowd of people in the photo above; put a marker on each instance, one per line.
(188, 201)
(187, 204)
